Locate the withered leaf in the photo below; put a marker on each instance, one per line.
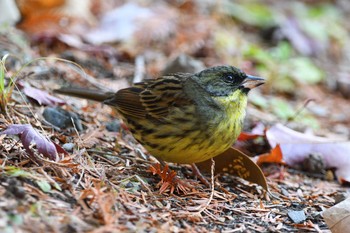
(236, 163)
(29, 135)
(42, 97)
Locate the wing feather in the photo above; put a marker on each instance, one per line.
(153, 98)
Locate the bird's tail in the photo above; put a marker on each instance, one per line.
(90, 94)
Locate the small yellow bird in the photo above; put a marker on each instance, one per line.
(182, 118)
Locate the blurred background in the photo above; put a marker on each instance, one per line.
(300, 47)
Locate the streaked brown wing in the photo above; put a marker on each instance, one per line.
(151, 98)
(128, 101)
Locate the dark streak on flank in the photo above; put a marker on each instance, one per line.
(153, 145)
(211, 141)
(162, 148)
(137, 126)
(147, 131)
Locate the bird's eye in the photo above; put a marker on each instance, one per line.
(229, 78)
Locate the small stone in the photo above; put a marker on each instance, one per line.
(297, 216)
(113, 126)
(318, 110)
(285, 192)
(68, 146)
(314, 163)
(62, 118)
(16, 188)
(129, 185)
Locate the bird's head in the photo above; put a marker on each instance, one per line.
(225, 80)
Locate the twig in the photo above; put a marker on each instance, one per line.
(299, 110)
(90, 79)
(80, 178)
(212, 190)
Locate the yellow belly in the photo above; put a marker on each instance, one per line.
(196, 147)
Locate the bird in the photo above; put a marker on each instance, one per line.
(182, 118)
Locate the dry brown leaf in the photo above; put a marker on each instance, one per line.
(91, 138)
(338, 217)
(234, 162)
(54, 16)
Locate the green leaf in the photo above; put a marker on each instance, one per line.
(283, 51)
(16, 219)
(16, 172)
(258, 54)
(308, 120)
(284, 84)
(44, 185)
(2, 75)
(282, 109)
(254, 14)
(57, 186)
(258, 100)
(305, 71)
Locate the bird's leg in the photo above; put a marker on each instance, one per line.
(200, 176)
(195, 172)
(161, 161)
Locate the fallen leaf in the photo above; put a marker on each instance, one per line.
(91, 138)
(29, 135)
(305, 71)
(17, 172)
(296, 146)
(257, 131)
(131, 20)
(250, 13)
(44, 185)
(291, 30)
(236, 163)
(275, 156)
(338, 216)
(42, 97)
(244, 136)
(45, 17)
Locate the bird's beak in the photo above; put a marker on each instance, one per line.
(251, 82)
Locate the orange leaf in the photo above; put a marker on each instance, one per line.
(275, 156)
(244, 136)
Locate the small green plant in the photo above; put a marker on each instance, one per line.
(5, 88)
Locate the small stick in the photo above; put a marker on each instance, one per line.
(204, 207)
